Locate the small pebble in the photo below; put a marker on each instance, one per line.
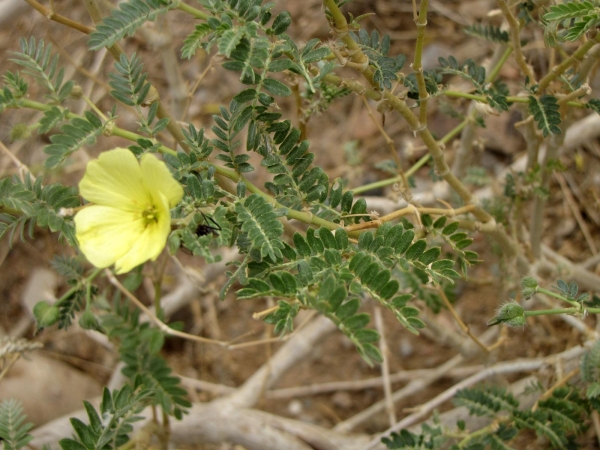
(406, 348)
(342, 399)
(295, 407)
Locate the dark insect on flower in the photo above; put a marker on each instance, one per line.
(205, 227)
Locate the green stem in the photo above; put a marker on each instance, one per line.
(455, 131)
(516, 40)
(511, 99)
(94, 107)
(110, 130)
(87, 281)
(420, 163)
(379, 184)
(421, 22)
(546, 312)
(341, 30)
(305, 217)
(562, 67)
(558, 296)
(481, 432)
(192, 11)
(496, 70)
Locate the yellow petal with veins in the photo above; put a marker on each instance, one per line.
(130, 221)
(115, 179)
(158, 179)
(151, 242)
(105, 234)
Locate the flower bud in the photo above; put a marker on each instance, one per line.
(528, 287)
(20, 132)
(45, 314)
(88, 321)
(76, 92)
(511, 314)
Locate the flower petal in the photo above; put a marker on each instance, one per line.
(115, 179)
(105, 234)
(151, 242)
(158, 179)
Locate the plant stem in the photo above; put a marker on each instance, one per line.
(420, 163)
(192, 11)
(341, 30)
(539, 202)
(546, 312)
(509, 99)
(91, 104)
(87, 281)
(116, 52)
(109, 130)
(562, 67)
(491, 428)
(558, 296)
(421, 22)
(51, 15)
(378, 184)
(496, 70)
(516, 40)
(305, 217)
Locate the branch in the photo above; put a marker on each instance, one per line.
(51, 15)
(524, 365)
(516, 40)
(571, 60)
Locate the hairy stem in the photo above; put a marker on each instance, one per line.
(421, 22)
(571, 60)
(516, 40)
(539, 203)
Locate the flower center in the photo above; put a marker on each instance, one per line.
(150, 214)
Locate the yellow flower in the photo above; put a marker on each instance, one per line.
(129, 222)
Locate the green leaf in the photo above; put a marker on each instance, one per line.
(245, 96)
(13, 431)
(357, 321)
(52, 118)
(464, 243)
(327, 238)
(401, 300)
(70, 444)
(366, 335)
(276, 87)
(194, 40)
(337, 297)
(230, 40)
(442, 264)
(341, 238)
(372, 353)
(348, 309)
(301, 245)
(389, 290)
(440, 223)
(404, 241)
(281, 23)
(279, 65)
(450, 228)
(488, 32)
(259, 220)
(545, 113)
(131, 15)
(416, 249)
(568, 10)
(316, 55)
(45, 314)
(368, 273)
(430, 255)
(38, 63)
